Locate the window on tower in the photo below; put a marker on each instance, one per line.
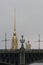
(14, 34)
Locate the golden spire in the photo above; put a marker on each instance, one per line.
(14, 38)
(15, 19)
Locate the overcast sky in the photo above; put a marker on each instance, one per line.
(29, 19)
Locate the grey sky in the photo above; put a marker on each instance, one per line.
(29, 15)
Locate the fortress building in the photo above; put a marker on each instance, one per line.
(14, 38)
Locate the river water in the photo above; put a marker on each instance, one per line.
(37, 64)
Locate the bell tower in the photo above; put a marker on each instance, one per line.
(14, 38)
(28, 46)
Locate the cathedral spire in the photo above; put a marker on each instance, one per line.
(14, 38)
(15, 19)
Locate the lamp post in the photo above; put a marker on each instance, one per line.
(22, 53)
